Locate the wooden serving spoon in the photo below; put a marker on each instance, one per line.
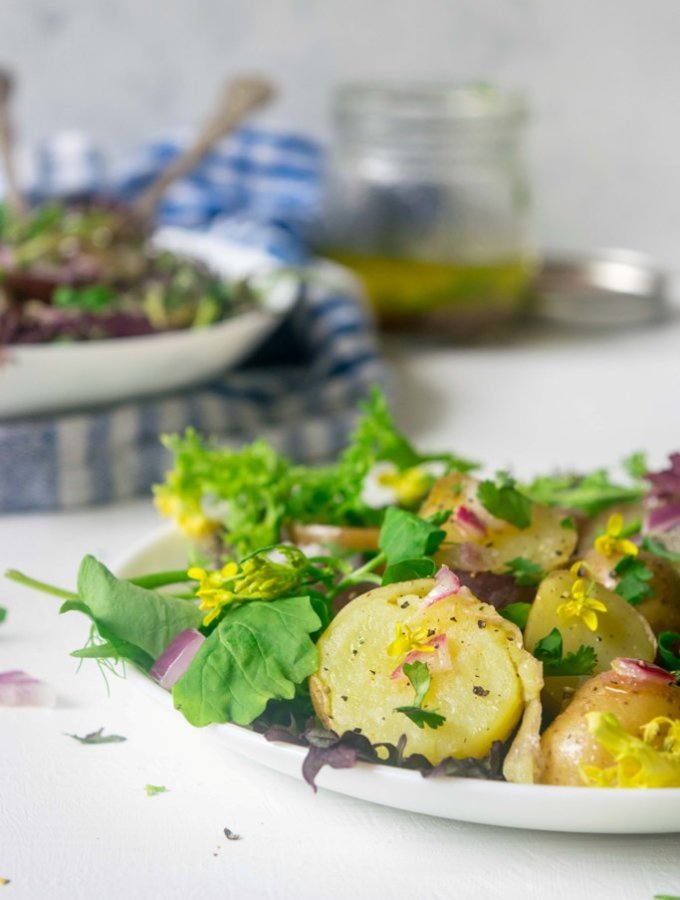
(15, 199)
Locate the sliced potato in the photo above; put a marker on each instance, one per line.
(546, 542)
(567, 743)
(621, 631)
(482, 693)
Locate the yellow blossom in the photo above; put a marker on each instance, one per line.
(409, 639)
(581, 606)
(193, 522)
(213, 590)
(409, 486)
(610, 543)
(652, 761)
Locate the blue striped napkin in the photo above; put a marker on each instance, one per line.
(258, 188)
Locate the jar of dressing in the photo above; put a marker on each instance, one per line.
(427, 201)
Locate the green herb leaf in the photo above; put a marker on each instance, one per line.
(518, 613)
(504, 501)
(568, 522)
(525, 572)
(259, 651)
(129, 616)
(408, 570)
(422, 717)
(651, 545)
(549, 651)
(669, 650)
(153, 789)
(405, 536)
(590, 493)
(636, 465)
(98, 737)
(3, 613)
(633, 575)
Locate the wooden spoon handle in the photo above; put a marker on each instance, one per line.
(240, 97)
(15, 199)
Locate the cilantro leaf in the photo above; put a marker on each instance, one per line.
(590, 493)
(409, 569)
(405, 536)
(518, 613)
(260, 651)
(634, 576)
(549, 651)
(422, 717)
(669, 650)
(651, 545)
(98, 737)
(525, 572)
(504, 501)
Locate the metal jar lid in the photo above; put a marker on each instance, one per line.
(612, 288)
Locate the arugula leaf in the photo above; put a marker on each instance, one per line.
(518, 613)
(651, 545)
(504, 501)
(669, 650)
(408, 570)
(259, 651)
(405, 536)
(634, 576)
(549, 651)
(98, 737)
(525, 572)
(590, 493)
(419, 675)
(130, 618)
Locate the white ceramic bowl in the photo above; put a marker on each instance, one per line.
(45, 378)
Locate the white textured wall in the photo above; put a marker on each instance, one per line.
(603, 77)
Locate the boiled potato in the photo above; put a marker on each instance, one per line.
(662, 608)
(621, 631)
(480, 683)
(568, 743)
(492, 543)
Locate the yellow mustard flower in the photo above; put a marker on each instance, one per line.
(214, 589)
(611, 543)
(385, 485)
(580, 605)
(409, 639)
(652, 761)
(193, 522)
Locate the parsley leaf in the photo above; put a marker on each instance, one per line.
(549, 651)
(419, 675)
(504, 501)
(590, 493)
(634, 576)
(525, 572)
(518, 613)
(669, 650)
(409, 569)
(405, 536)
(651, 545)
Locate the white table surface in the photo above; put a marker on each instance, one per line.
(75, 820)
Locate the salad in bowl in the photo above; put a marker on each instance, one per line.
(402, 609)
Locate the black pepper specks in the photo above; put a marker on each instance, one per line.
(479, 691)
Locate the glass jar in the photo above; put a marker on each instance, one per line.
(427, 200)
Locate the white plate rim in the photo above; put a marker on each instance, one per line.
(539, 807)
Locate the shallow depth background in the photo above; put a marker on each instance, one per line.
(603, 77)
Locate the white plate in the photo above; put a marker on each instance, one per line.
(487, 802)
(45, 378)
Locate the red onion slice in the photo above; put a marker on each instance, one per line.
(663, 518)
(641, 670)
(176, 658)
(20, 689)
(466, 516)
(447, 584)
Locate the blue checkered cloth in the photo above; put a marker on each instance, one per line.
(299, 391)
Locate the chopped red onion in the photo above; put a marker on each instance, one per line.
(641, 670)
(176, 658)
(20, 689)
(436, 662)
(663, 518)
(466, 516)
(447, 584)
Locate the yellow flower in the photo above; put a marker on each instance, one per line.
(409, 639)
(652, 761)
(188, 516)
(610, 544)
(213, 591)
(385, 485)
(581, 606)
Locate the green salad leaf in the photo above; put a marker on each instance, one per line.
(549, 651)
(525, 572)
(517, 613)
(260, 651)
(634, 577)
(405, 536)
(651, 545)
(589, 493)
(419, 675)
(669, 650)
(3, 613)
(409, 570)
(503, 500)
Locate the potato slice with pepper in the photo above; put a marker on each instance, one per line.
(477, 541)
(481, 678)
